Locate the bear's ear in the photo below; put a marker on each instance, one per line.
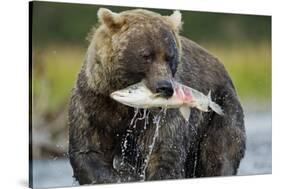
(113, 21)
(175, 20)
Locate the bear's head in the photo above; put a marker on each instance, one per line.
(131, 46)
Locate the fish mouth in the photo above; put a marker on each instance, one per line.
(117, 94)
(122, 98)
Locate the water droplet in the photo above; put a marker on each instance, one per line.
(156, 121)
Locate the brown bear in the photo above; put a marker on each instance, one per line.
(137, 45)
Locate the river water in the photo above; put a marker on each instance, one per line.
(257, 160)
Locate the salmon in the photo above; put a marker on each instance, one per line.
(184, 98)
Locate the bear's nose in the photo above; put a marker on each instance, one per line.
(165, 88)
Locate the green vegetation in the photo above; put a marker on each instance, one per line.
(54, 75)
(70, 23)
(249, 66)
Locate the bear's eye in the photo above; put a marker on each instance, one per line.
(172, 60)
(148, 57)
(169, 57)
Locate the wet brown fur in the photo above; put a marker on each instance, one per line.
(142, 45)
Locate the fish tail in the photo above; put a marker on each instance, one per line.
(214, 106)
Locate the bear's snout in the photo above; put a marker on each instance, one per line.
(165, 88)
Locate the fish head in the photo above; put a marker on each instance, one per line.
(136, 95)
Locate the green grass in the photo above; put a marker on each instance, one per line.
(55, 69)
(55, 73)
(249, 66)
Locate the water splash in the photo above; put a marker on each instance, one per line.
(123, 164)
(135, 115)
(143, 117)
(74, 182)
(146, 121)
(128, 133)
(193, 128)
(120, 163)
(156, 121)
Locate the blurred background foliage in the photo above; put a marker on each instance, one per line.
(69, 23)
(59, 30)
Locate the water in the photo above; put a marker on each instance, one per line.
(257, 160)
(119, 163)
(156, 121)
(258, 157)
(52, 173)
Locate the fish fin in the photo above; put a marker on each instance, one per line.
(209, 95)
(214, 106)
(185, 112)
